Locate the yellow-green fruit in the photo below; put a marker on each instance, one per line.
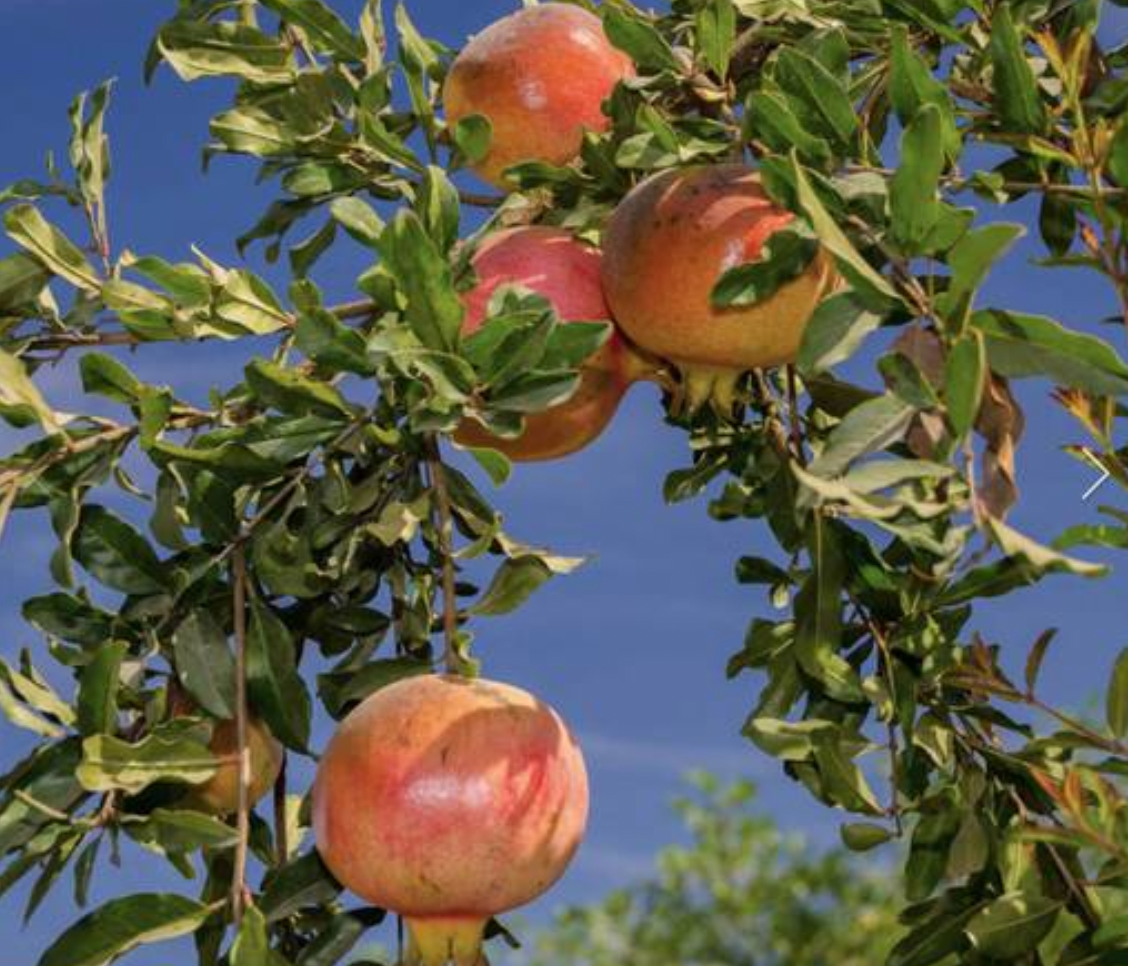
(219, 795)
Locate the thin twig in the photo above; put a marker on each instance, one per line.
(239, 891)
(281, 830)
(480, 201)
(63, 341)
(445, 534)
(793, 416)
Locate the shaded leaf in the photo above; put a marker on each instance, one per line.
(205, 664)
(124, 924)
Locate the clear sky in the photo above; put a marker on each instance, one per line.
(631, 649)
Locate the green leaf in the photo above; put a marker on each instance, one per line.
(864, 836)
(536, 392)
(965, 380)
(1042, 559)
(867, 428)
(247, 302)
(186, 284)
(358, 219)
(512, 584)
(23, 717)
(253, 131)
(177, 830)
(1017, 99)
(326, 31)
(252, 944)
(329, 342)
(912, 85)
(473, 134)
(97, 704)
(116, 554)
(306, 253)
(769, 118)
(437, 204)
(635, 35)
(434, 309)
(105, 376)
(291, 392)
(716, 32)
(205, 664)
(818, 609)
(835, 332)
(785, 257)
(496, 464)
(835, 240)
(372, 31)
(169, 754)
(195, 49)
(277, 690)
(1013, 925)
(970, 261)
(337, 939)
(933, 941)
(785, 740)
(1116, 700)
(69, 618)
(843, 782)
(29, 229)
(304, 881)
(1020, 345)
(914, 192)
(124, 924)
(1117, 157)
(819, 99)
(17, 389)
(22, 278)
(341, 690)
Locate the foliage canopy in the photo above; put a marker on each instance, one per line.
(307, 513)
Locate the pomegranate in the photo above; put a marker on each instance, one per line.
(540, 76)
(449, 800)
(666, 246)
(552, 263)
(219, 795)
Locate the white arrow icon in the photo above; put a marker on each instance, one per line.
(1101, 468)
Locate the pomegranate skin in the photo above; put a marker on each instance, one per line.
(540, 76)
(552, 263)
(449, 800)
(219, 795)
(665, 248)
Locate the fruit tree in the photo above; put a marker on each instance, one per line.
(784, 214)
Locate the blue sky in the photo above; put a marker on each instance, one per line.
(631, 649)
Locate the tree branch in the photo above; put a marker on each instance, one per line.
(239, 892)
(445, 535)
(63, 341)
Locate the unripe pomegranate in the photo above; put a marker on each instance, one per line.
(552, 263)
(449, 800)
(219, 795)
(540, 76)
(666, 247)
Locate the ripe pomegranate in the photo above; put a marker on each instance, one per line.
(552, 263)
(449, 800)
(665, 248)
(540, 76)
(219, 795)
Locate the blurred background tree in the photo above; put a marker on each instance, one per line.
(740, 892)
